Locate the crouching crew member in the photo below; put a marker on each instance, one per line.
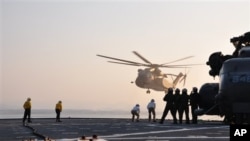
(135, 112)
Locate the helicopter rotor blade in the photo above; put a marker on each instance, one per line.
(127, 61)
(174, 66)
(141, 57)
(170, 74)
(178, 60)
(181, 65)
(149, 64)
(184, 77)
(131, 64)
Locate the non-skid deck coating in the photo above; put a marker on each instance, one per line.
(112, 129)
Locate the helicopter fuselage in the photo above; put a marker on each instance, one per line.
(153, 79)
(234, 87)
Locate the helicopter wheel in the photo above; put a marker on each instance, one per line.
(148, 91)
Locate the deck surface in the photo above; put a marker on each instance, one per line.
(112, 129)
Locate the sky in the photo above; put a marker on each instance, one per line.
(48, 48)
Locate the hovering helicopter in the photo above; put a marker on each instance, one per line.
(230, 96)
(152, 77)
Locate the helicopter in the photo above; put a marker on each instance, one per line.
(152, 77)
(230, 96)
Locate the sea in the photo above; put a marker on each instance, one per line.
(84, 113)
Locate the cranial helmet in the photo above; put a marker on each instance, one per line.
(170, 89)
(177, 90)
(184, 90)
(195, 89)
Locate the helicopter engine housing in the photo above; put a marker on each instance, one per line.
(208, 92)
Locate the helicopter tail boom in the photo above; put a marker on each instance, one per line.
(178, 78)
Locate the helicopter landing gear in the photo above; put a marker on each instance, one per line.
(148, 91)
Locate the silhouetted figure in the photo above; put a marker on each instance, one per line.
(184, 106)
(94, 137)
(194, 101)
(169, 98)
(177, 102)
(27, 110)
(83, 138)
(151, 110)
(135, 112)
(58, 110)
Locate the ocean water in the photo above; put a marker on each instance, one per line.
(78, 113)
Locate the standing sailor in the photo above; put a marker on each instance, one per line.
(27, 110)
(58, 110)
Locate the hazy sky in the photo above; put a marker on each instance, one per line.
(49, 47)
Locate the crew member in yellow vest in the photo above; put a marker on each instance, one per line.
(27, 110)
(58, 111)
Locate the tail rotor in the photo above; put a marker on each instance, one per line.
(184, 77)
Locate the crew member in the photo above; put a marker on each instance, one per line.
(151, 110)
(177, 101)
(184, 102)
(58, 110)
(194, 101)
(27, 110)
(135, 112)
(169, 98)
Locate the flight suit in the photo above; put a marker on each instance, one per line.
(184, 107)
(194, 101)
(169, 98)
(177, 102)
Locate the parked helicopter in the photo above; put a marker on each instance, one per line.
(152, 77)
(230, 96)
